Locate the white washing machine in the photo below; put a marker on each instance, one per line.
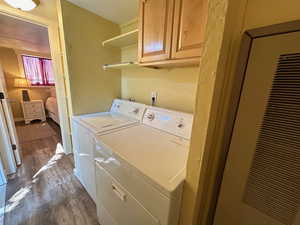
(84, 129)
(140, 170)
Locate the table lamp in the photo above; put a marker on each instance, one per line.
(23, 83)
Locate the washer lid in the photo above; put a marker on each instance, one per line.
(159, 156)
(102, 122)
(122, 113)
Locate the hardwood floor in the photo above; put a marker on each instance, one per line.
(44, 191)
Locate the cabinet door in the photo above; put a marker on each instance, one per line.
(190, 18)
(155, 30)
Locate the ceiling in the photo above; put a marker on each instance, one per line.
(117, 11)
(18, 34)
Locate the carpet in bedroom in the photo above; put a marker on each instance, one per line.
(34, 131)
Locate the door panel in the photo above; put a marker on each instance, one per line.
(2, 82)
(5, 145)
(156, 18)
(3, 179)
(10, 123)
(12, 130)
(188, 34)
(261, 183)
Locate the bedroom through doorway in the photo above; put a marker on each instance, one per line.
(31, 111)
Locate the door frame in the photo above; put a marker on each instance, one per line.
(213, 169)
(60, 74)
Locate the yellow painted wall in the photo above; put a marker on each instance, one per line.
(9, 61)
(264, 13)
(176, 87)
(92, 89)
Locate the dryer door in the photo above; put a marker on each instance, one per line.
(115, 205)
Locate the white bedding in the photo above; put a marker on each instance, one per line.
(52, 108)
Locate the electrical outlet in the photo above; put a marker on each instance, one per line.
(154, 97)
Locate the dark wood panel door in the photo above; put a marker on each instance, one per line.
(155, 30)
(189, 28)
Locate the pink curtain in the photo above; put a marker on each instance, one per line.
(48, 71)
(38, 71)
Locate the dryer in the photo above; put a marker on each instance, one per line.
(84, 129)
(140, 170)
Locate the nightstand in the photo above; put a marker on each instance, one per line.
(33, 110)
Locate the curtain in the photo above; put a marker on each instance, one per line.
(38, 71)
(48, 71)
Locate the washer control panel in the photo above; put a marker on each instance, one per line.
(176, 123)
(131, 109)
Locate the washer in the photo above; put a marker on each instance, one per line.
(84, 129)
(140, 170)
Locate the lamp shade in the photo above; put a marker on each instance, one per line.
(25, 5)
(21, 83)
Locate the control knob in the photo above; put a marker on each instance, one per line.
(136, 111)
(150, 116)
(180, 125)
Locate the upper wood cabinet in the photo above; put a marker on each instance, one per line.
(171, 32)
(189, 27)
(155, 30)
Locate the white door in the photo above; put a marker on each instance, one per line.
(2, 81)
(6, 152)
(261, 183)
(9, 118)
(3, 179)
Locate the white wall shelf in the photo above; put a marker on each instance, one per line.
(122, 40)
(120, 65)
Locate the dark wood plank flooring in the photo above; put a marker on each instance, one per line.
(44, 191)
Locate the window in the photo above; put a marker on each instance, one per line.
(38, 71)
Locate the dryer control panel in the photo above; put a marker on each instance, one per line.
(173, 122)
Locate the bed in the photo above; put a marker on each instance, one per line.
(52, 107)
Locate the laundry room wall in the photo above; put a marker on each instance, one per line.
(12, 70)
(176, 87)
(259, 13)
(92, 88)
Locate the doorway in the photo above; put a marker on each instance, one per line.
(28, 81)
(59, 76)
(44, 170)
(261, 181)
